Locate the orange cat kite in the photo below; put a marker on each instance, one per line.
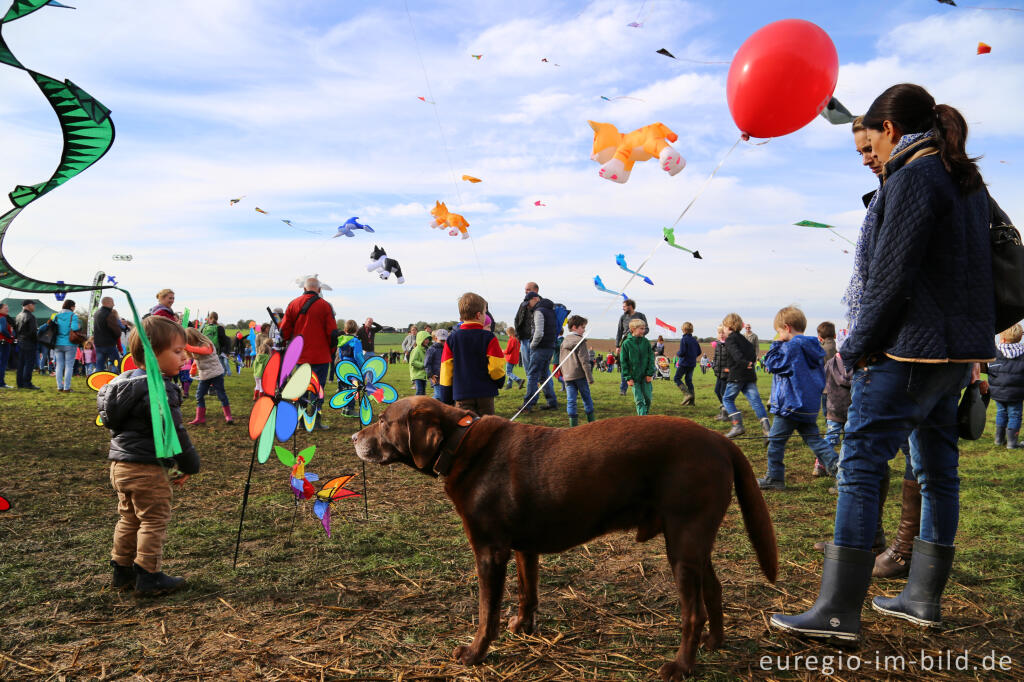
(454, 221)
(617, 152)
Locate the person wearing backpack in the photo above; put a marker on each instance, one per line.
(312, 317)
(67, 325)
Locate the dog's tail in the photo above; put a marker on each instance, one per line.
(755, 513)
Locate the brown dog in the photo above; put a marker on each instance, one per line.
(535, 489)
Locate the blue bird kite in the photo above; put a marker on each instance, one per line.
(601, 287)
(352, 224)
(620, 260)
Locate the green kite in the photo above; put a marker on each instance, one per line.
(88, 134)
(823, 226)
(670, 237)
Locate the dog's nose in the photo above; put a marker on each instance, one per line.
(355, 436)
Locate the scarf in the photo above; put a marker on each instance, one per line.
(1011, 350)
(858, 279)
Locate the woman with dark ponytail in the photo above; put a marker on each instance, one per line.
(921, 311)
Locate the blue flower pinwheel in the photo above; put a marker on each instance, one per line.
(363, 383)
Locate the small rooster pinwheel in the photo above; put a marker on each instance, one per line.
(363, 383)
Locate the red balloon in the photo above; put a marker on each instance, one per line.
(781, 78)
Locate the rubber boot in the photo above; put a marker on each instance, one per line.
(737, 425)
(321, 422)
(1012, 439)
(152, 584)
(200, 416)
(894, 562)
(1001, 435)
(574, 420)
(723, 415)
(227, 414)
(919, 602)
(124, 576)
(590, 417)
(879, 544)
(836, 613)
(688, 398)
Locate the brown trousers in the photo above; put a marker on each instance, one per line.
(144, 503)
(481, 406)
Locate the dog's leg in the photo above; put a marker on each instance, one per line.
(688, 570)
(712, 639)
(491, 565)
(526, 571)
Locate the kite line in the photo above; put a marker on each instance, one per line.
(88, 134)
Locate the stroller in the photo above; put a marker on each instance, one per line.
(663, 366)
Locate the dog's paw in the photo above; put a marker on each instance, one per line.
(673, 672)
(466, 656)
(710, 642)
(521, 625)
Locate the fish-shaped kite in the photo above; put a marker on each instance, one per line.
(836, 114)
(236, 200)
(666, 53)
(476, 56)
(670, 237)
(823, 226)
(601, 287)
(287, 222)
(620, 260)
(984, 48)
(661, 323)
(260, 210)
(470, 178)
(349, 225)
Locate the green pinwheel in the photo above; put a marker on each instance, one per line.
(361, 384)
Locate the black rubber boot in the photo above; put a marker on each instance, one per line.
(1001, 435)
(124, 576)
(836, 613)
(153, 584)
(919, 602)
(1012, 439)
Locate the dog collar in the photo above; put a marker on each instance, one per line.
(450, 445)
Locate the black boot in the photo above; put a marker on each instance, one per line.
(1001, 435)
(1012, 439)
(844, 584)
(124, 576)
(152, 584)
(919, 600)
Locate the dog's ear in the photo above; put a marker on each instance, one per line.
(425, 438)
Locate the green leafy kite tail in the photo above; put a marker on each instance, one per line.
(88, 134)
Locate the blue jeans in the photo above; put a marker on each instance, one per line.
(733, 389)
(782, 429)
(524, 356)
(26, 363)
(105, 354)
(65, 365)
(217, 383)
(890, 400)
(832, 432)
(421, 386)
(5, 356)
(227, 367)
(540, 370)
(581, 388)
(320, 370)
(1008, 415)
(684, 375)
(622, 380)
(510, 375)
(720, 385)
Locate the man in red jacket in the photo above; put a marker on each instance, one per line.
(312, 318)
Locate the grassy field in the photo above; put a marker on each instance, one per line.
(390, 597)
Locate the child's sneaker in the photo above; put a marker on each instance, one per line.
(770, 484)
(157, 583)
(819, 470)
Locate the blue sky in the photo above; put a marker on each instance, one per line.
(309, 109)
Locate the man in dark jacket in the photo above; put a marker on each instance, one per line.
(689, 351)
(106, 330)
(524, 324)
(27, 329)
(542, 347)
(628, 313)
(366, 334)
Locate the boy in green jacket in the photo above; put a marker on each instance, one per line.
(637, 360)
(417, 371)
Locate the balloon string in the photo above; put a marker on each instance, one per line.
(632, 276)
(444, 140)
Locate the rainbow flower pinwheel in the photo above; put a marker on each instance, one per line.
(364, 383)
(276, 413)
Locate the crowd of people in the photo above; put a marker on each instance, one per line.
(921, 319)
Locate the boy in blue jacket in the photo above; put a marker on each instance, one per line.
(798, 363)
(1006, 385)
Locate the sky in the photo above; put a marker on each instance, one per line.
(309, 109)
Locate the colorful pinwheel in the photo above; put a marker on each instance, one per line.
(301, 480)
(310, 403)
(101, 378)
(275, 413)
(365, 383)
(331, 492)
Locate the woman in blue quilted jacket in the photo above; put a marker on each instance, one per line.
(921, 312)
